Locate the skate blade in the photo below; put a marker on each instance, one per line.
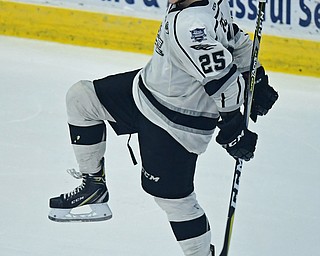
(86, 213)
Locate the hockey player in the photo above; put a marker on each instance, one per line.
(192, 84)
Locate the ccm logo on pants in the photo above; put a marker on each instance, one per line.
(149, 176)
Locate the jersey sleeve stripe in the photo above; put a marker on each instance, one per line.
(239, 91)
(215, 85)
(216, 26)
(182, 49)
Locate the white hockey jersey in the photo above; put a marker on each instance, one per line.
(194, 72)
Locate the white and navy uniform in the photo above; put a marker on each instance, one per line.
(173, 104)
(194, 73)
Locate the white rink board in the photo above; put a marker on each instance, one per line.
(286, 18)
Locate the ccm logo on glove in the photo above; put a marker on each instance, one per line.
(235, 141)
(235, 137)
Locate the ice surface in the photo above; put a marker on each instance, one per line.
(278, 204)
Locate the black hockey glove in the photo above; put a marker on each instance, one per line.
(264, 96)
(235, 137)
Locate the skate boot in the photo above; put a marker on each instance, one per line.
(91, 195)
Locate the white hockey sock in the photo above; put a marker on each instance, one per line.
(86, 125)
(189, 224)
(197, 246)
(89, 156)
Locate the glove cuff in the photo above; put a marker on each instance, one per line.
(231, 129)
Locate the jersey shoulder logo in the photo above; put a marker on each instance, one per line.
(198, 34)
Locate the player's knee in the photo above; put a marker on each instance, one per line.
(76, 93)
(181, 209)
(77, 100)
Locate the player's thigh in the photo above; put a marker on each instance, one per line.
(167, 167)
(115, 94)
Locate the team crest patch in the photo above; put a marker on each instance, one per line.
(198, 34)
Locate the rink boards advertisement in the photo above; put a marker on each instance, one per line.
(291, 27)
(292, 18)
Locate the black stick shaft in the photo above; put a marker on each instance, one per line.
(249, 95)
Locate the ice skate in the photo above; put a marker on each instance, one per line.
(87, 202)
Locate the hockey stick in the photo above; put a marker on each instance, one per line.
(249, 95)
